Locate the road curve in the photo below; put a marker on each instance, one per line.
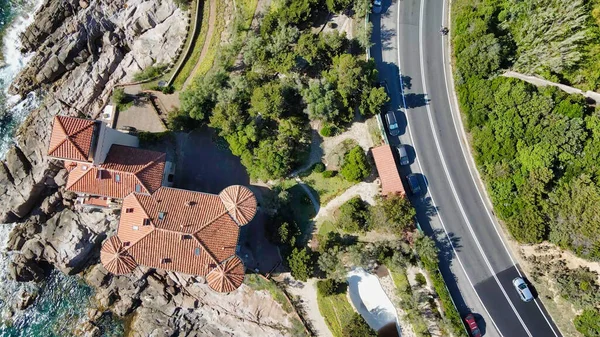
(409, 53)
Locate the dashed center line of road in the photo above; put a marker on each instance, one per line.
(430, 194)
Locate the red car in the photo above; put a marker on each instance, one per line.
(473, 328)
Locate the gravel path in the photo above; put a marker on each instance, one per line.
(387, 283)
(367, 192)
(209, 35)
(307, 292)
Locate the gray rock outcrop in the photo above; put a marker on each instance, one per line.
(81, 52)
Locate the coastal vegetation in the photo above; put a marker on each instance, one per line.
(289, 76)
(149, 72)
(537, 148)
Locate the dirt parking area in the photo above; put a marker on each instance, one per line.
(140, 115)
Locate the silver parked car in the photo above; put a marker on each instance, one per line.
(522, 289)
(403, 155)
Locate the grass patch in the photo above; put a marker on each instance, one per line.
(400, 279)
(258, 283)
(326, 226)
(302, 209)
(336, 310)
(374, 131)
(215, 40)
(326, 188)
(149, 72)
(198, 42)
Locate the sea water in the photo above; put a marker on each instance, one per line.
(62, 301)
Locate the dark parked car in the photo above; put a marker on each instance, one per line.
(377, 6)
(413, 184)
(472, 325)
(403, 155)
(128, 128)
(390, 118)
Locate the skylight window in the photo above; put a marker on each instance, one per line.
(197, 251)
(161, 215)
(138, 188)
(118, 178)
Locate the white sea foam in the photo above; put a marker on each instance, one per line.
(15, 108)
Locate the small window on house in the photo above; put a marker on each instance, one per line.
(161, 215)
(128, 210)
(197, 251)
(126, 243)
(186, 237)
(118, 178)
(99, 174)
(138, 188)
(166, 260)
(135, 228)
(146, 222)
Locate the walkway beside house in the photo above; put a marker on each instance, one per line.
(209, 36)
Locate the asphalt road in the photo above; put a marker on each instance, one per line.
(409, 53)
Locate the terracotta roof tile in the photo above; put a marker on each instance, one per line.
(71, 138)
(115, 258)
(186, 231)
(124, 168)
(240, 203)
(388, 171)
(228, 276)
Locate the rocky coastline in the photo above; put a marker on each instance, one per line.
(82, 50)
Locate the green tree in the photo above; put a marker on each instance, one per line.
(392, 213)
(356, 166)
(267, 101)
(331, 263)
(119, 95)
(588, 323)
(323, 103)
(372, 101)
(200, 99)
(353, 215)
(301, 264)
(427, 251)
(358, 327)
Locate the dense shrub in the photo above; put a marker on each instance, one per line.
(392, 213)
(149, 72)
(301, 264)
(358, 327)
(330, 287)
(326, 131)
(353, 215)
(119, 95)
(329, 174)
(319, 167)
(420, 279)
(356, 166)
(151, 138)
(588, 323)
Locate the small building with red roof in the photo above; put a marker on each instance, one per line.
(391, 183)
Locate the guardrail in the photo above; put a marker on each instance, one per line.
(188, 50)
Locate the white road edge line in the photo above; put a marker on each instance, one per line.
(447, 172)
(471, 159)
(431, 195)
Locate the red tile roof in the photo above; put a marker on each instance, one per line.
(124, 168)
(71, 138)
(388, 171)
(190, 232)
(115, 258)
